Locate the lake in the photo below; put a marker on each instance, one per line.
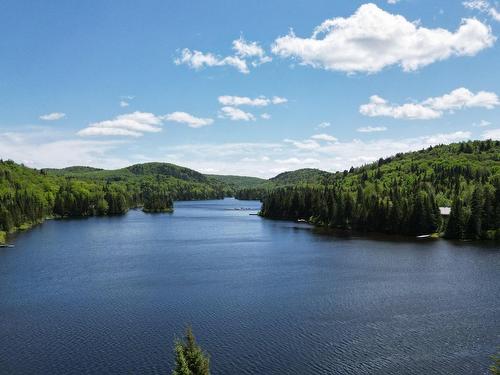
(108, 295)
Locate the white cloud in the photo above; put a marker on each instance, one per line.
(260, 101)
(484, 7)
(198, 60)
(53, 116)
(371, 129)
(131, 124)
(39, 149)
(96, 131)
(246, 50)
(481, 5)
(380, 107)
(495, 14)
(235, 101)
(372, 39)
(123, 103)
(324, 125)
(265, 116)
(463, 98)
(430, 108)
(392, 1)
(324, 137)
(235, 114)
(279, 100)
(294, 154)
(190, 120)
(245, 53)
(492, 134)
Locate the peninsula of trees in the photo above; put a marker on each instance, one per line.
(400, 194)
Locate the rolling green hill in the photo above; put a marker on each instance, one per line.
(402, 194)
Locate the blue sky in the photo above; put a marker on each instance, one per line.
(225, 87)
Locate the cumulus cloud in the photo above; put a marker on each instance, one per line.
(372, 39)
(53, 116)
(380, 107)
(245, 53)
(189, 120)
(430, 108)
(484, 7)
(463, 98)
(235, 114)
(260, 101)
(371, 129)
(265, 116)
(131, 124)
(123, 103)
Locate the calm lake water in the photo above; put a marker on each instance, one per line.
(108, 296)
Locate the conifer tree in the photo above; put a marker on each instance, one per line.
(190, 359)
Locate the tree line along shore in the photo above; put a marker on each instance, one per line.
(401, 194)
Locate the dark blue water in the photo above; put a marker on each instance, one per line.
(108, 295)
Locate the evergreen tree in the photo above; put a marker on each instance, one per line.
(455, 228)
(474, 229)
(189, 357)
(181, 364)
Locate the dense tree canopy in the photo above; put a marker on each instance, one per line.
(402, 194)
(28, 196)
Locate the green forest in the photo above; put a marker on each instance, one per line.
(28, 196)
(401, 194)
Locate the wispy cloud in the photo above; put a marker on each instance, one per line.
(371, 129)
(189, 120)
(324, 125)
(235, 114)
(484, 7)
(245, 54)
(40, 150)
(53, 116)
(324, 137)
(132, 124)
(267, 159)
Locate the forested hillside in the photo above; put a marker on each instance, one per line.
(402, 194)
(28, 196)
